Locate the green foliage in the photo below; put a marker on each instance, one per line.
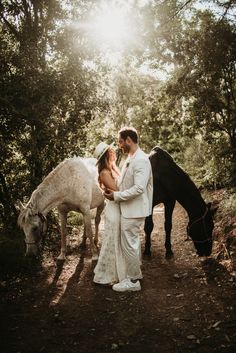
(60, 96)
(225, 225)
(205, 77)
(46, 97)
(206, 163)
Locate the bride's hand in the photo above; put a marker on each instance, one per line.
(109, 194)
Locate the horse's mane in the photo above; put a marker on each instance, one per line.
(32, 208)
(169, 161)
(162, 153)
(182, 178)
(91, 165)
(25, 213)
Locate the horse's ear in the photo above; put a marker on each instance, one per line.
(19, 205)
(212, 208)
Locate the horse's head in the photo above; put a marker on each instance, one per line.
(200, 230)
(34, 225)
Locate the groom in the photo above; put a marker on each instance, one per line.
(135, 198)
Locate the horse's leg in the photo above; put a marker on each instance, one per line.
(89, 233)
(83, 243)
(148, 227)
(63, 218)
(169, 207)
(97, 221)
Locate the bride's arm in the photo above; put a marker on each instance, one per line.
(107, 180)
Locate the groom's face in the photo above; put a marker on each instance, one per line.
(124, 145)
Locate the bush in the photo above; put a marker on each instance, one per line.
(207, 164)
(225, 224)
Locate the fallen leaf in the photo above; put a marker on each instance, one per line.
(216, 324)
(114, 346)
(176, 275)
(191, 337)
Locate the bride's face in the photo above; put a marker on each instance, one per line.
(111, 155)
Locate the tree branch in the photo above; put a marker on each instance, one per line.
(182, 7)
(11, 28)
(27, 12)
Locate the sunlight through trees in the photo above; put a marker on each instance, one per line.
(73, 72)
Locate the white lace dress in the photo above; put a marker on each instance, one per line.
(110, 267)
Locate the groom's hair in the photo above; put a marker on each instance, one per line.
(129, 131)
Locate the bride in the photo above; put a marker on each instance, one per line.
(110, 267)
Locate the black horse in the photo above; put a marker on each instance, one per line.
(171, 184)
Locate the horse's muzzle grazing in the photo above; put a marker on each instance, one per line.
(204, 249)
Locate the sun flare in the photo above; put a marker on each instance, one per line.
(111, 27)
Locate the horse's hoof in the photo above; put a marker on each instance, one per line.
(147, 253)
(169, 255)
(95, 257)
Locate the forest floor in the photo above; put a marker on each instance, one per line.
(186, 304)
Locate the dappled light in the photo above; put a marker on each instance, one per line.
(72, 74)
(63, 276)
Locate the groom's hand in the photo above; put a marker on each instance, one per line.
(109, 194)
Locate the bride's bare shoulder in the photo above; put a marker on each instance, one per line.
(104, 173)
(107, 179)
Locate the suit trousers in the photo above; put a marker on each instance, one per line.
(131, 246)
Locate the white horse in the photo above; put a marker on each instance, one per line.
(71, 186)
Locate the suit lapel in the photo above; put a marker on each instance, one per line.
(126, 165)
(124, 169)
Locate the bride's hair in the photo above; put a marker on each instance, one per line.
(103, 163)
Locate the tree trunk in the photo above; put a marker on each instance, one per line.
(8, 213)
(233, 146)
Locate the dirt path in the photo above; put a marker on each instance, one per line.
(186, 305)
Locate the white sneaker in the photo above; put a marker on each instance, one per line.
(126, 285)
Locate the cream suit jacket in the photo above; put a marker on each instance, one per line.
(135, 187)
